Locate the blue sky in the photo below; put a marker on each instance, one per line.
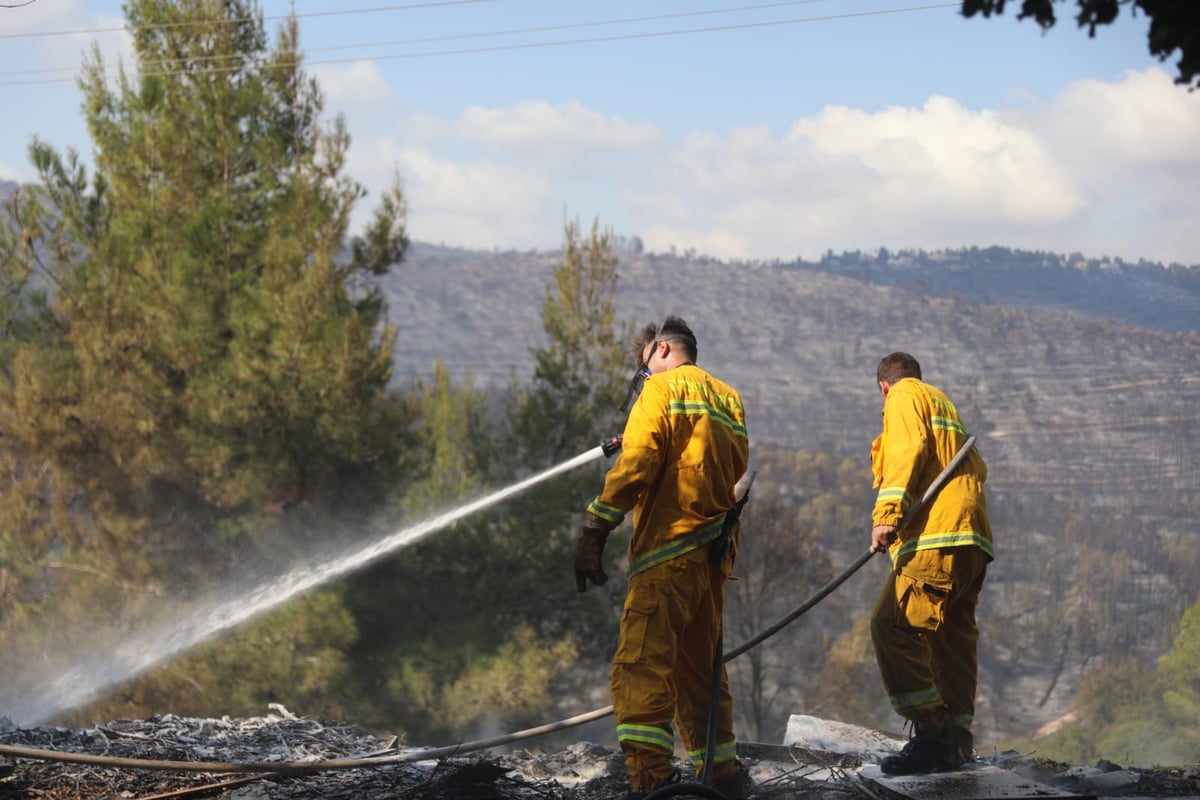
(739, 130)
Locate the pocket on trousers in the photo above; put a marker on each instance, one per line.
(922, 601)
(634, 622)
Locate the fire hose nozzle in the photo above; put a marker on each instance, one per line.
(611, 445)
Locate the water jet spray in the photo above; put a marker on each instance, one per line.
(138, 653)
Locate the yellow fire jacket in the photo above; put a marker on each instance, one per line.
(921, 434)
(683, 450)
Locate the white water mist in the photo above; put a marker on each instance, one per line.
(137, 653)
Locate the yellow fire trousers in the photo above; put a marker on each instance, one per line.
(663, 668)
(925, 638)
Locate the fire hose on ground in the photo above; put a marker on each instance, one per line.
(433, 753)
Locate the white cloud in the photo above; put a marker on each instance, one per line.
(850, 178)
(942, 158)
(1131, 147)
(507, 177)
(567, 134)
(717, 242)
(746, 194)
(359, 84)
(1101, 168)
(479, 205)
(422, 129)
(747, 162)
(1144, 121)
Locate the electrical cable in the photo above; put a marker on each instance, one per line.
(423, 39)
(511, 31)
(237, 20)
(538, 45)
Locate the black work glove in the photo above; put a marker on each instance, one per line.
(589, 556)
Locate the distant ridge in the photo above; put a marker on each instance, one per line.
(1063, 401)
(1146, 294)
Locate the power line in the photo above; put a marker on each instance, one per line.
(164, 63)
(650, 35)
(576, 25)
(238, 20)
(538, 45)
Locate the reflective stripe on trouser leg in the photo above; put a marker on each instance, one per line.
(661, 738)
(725, 751)
(694, 672)
(924, 632)
(955, 648)
(667, 641)
(912, 704)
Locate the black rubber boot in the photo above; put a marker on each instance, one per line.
(737, 786)
(925, 752)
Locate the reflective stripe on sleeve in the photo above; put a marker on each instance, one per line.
(606, 512)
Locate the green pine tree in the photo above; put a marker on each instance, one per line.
(429, 659)
(200, 346)
(580, 376)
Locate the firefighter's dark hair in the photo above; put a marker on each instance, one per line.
(675, 329)
(896, 366)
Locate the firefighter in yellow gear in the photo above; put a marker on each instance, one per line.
(923, 628)
(684, 448)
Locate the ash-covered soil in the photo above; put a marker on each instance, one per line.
(583, 771)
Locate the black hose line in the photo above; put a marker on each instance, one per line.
(714, 704)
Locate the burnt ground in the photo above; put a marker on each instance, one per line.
(582, 771)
